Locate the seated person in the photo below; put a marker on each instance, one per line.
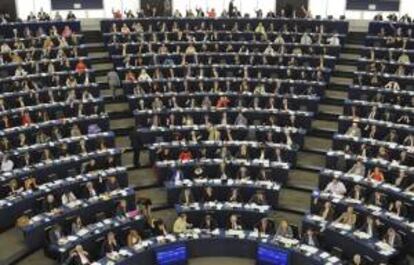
(284, 230)
(30, 184)
(336, 187)
(378, 199)
(177, 175)
(185, 155)
(393, 239)
(79, 256)
(358, 168)
(77, 225)
(133, 238)
(112, 184)
(327, 212)
(265, 226)
(199, 172)
(186, 197)
(209, 223)
(68, 197)
(357, 193)
(334, 40)
(90, 191)
(356, 260)
(223, 102)
(234, 223)
(6, 164)
(348, 217)
(50, 204)
(14, 187)
(208, 195)
(56, 234)
(235, 196)
(243, 152)
(258, 198)
(109, 245)
(310, 238)
(81, 67)
(263, 175)
(121, 209)
(243, 173)
(376, 175)
(91, 166)
(370, 227)
(398, 208)
(354, 130)
(181, 225)
(159, 228)
(402, 181)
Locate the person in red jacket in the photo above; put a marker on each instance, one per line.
(26, 119)
(80, 67)
(223, 102)
(185, 155)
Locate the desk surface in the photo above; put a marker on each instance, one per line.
(221, 243)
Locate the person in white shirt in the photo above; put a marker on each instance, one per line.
(269, 50)
(354, 130)
(6, 164)
(334, 40)
(336, 187)
(279, 39)
(20, 72)
(5, 48)
(306, 39)
(144, 76)
(68, 197)
(240, 120)
(393, 85)
(358, 168)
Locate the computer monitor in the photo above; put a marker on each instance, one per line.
(270, 255)
(173, 254)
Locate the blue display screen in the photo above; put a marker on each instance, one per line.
(172, 254)
(268, 255)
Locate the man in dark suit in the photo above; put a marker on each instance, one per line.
(55, 234)
(377, 199)
(209, 223)
(112, 184)
(309, 238)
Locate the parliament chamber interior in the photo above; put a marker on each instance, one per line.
(172, 132)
